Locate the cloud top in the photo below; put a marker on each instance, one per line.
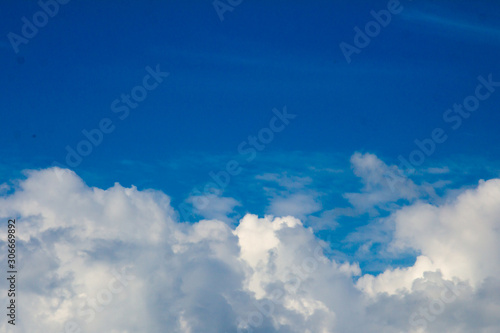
(120, 260)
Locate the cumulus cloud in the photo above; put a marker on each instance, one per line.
(459, 251)
(460, 238)
(120, 260)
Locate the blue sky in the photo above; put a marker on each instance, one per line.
(226, 77)
(352, 118)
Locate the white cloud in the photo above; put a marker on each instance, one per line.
(119, 260)
(292, 198)
(461, 238)
(297, 204)
(458, 241)
(382, 184)
(212, 206)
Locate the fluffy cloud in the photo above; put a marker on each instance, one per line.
(119, 260)
(460, 238)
